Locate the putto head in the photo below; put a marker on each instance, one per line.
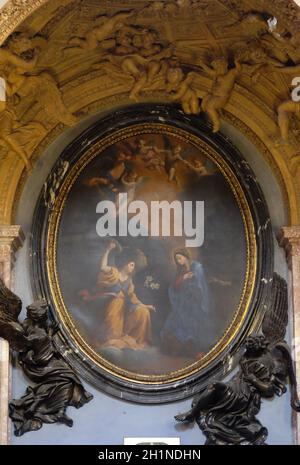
(38, 311)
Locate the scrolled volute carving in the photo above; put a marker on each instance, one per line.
(55, 385)
(226, 412)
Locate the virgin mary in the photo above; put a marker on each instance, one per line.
(187, 328)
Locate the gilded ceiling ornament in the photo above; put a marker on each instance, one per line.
(14, 12)
(182, 88)
(19, 138)
(105, 27)
(139, 54)
(173, 8)
(272, 41)
(187, 28)
(286, 110)
(150, 63)
(222, 86)
(22, 80)
(289, 108)
(288, 13)
(254, 23)
(18, 66)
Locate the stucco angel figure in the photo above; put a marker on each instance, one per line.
(55, 385)
(289, 108)
(181, 88)
(281, 47)
(221, 89)
(23, 81)
(267, 32)
(253, 24)
(139, 54)
(286, 110)
(144, 68)
(105, 28)
(226, 412)
(18, 138)
(224, 79)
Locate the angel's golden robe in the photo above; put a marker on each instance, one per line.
(127, 321)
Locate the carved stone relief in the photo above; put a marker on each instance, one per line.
(143, 50)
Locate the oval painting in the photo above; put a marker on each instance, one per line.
(151, 266)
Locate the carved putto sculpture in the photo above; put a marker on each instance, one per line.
(12, 132)
(289, 108)
(144, 58)
(126, 48)
(19, 68)
(286, 110)
(226, 412)
(55, 385)
(23, 81)
(222, 87)
(139, 54)
(183, 89)
(105, 27)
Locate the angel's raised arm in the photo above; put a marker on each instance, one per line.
(104, 260)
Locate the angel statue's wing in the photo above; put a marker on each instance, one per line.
(274, 329)
(276, 318)
(10, 328)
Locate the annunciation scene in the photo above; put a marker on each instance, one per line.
(146, 233)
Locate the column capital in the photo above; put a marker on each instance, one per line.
(289, 239)
(11, 235)
(11, 239)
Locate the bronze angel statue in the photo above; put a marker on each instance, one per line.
(55, 384)
(226, 412)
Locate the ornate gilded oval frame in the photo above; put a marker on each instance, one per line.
(134, 122)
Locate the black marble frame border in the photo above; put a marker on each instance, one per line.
(219, 368)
